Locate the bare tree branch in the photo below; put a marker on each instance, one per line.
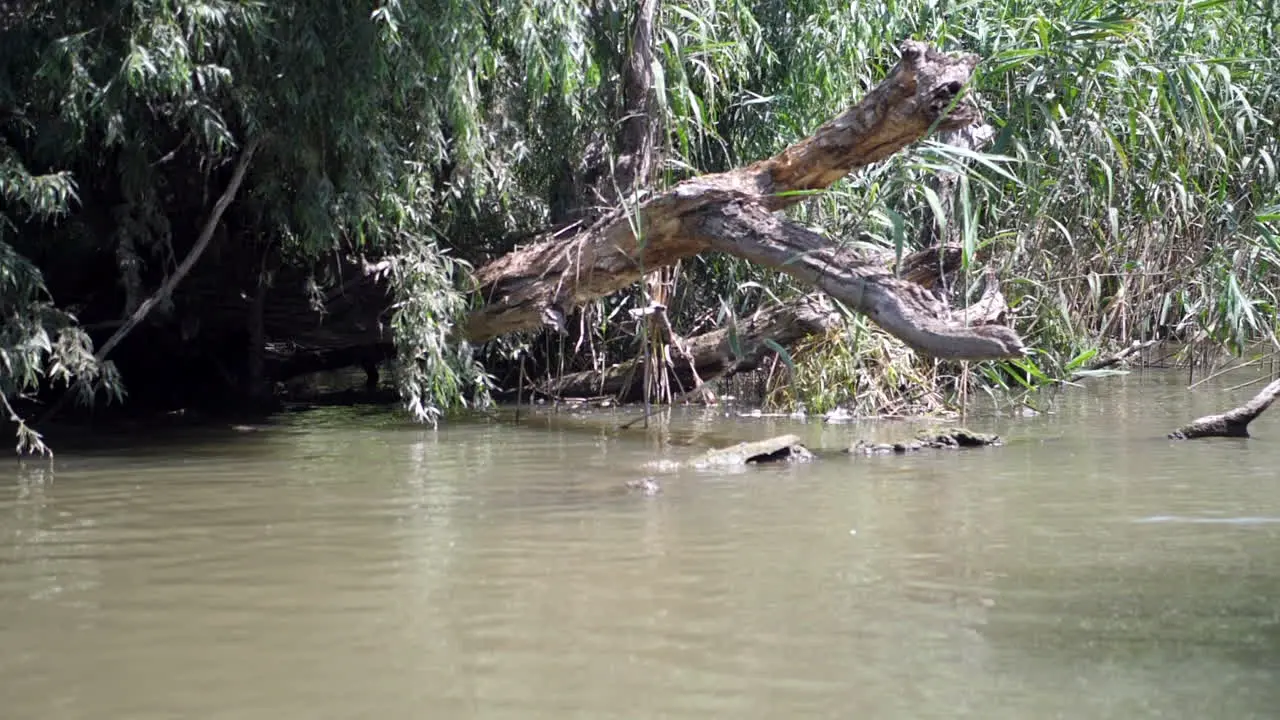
(920, 94)
(1232, 423)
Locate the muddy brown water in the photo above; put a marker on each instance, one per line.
(341, 564)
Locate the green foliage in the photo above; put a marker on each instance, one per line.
(1131, 190)
(39, 343)
(1146, 143)
(385, 127)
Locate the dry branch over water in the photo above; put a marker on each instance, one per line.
(1232, 423)
(733, 212)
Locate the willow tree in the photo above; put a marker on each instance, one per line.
(377, 133)
(426, 138)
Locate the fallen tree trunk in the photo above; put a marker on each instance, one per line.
(712, 353)
(786, 324)
(1233, 423)
(910, 312)
(732, 212)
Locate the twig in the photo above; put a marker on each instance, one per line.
(1224, 371)
(1116, 358)
(674, 401)
(682, 350)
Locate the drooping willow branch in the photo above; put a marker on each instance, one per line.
(193, 255)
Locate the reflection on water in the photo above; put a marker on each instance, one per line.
(338, 564)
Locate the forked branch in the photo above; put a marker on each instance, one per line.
(921, 93)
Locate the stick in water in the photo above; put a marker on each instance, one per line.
(1232, 423)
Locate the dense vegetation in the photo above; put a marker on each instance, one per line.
(1131, 190)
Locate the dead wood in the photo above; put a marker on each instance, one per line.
(991, 309)
(941, 229)
(712, 353)
(954, 438)
(638, 125)
(929, 267)
(1232, 423)
(732, 212)
(906, 310)
(704, 358)
(1116, 358)
(784, 448)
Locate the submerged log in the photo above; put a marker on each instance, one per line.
(1232, 423)
(946, 439)
(785, 324)
(784, 448)
(713, 353)
(732, 212)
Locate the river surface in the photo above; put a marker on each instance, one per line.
(344, 564)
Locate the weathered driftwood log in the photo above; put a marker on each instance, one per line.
(910, 312)
(945, 439)
(781, 449)
(713, 352)
(732, 212)
(786, 324)
(1232, 423)
(784, 448)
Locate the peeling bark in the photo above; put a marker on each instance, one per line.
(786, 324)
(929, 267)
(906, 310)
(732, 212)
(1233, 423)
(712, 353)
